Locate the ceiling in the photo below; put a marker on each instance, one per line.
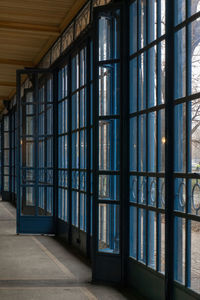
(27, 30)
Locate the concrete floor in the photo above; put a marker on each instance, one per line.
(39, 267)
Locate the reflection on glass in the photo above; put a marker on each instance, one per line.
(133, 27)
(180, 64)
(142, 81)
(142, 235)
(109, 37)
(180, 138)
(109, 238)
(109, 145)
(142, 143)
(109, 88)
(133, 189)
(161, 140)
(152, 239)
(83, 212)
(142, 22)
(194, 56)
(133, 144)
(109, 187)
(180, 194)
(133, 232)
(194, 135)
(179, 249)
(152, 142)
(161, 243)
(152, 77)
(194, 281)
(179, 11)
(133, 86)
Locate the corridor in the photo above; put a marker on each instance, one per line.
(38, 267)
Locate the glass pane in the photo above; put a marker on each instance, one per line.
(161, 243)
(109, 89)
(180, 63)
(109, 37)
(152, 191)
(109, 187)
(133, 232)
(142, 189)
(152, 142)
(179, 11)
(194, 56)
(133, 27)
(194, 241)
(180, 138)
(180, 194)
(133, 85)
(27, 201)
(142, 81)
(194, 196)
(152, 239)
(133, 144)
(179, 249)
(109, 237)
(194, 136)
(152, 77)
(152, 20)
(142, 235)
(161, 140)
(83, 213)
(109, 155)
(142, 23)
(133, 189)
(142, 143)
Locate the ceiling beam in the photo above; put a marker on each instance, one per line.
(7, 83)
(4, 98)
(15, 62)
(30, 28)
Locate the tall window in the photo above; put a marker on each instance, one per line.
(147, 133)
(63, 140)
(186, 143)
(79, 140)
(6, 153)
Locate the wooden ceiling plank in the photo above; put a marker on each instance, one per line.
(7, 83)
(4, 98)
(40, 29)
(15, 62)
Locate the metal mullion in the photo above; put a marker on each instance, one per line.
(88, 154)
(79, 138)
(147, 110)
(108, 62)
(187, 21)
(186, 216)
(108, 118)
(148, 46)
(169, 150)
(187, 154)
(45, 147)
(147, 133)
(36, 141)
(137, 138)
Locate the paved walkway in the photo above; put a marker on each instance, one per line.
(38, 267)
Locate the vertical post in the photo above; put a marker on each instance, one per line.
(124, 107)
(55, 146)
(169, 127)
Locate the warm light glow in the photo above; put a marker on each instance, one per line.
(163, 140)
(21, 142)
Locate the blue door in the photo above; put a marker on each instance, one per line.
(35, 177)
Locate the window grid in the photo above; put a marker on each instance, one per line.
(147, 133)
